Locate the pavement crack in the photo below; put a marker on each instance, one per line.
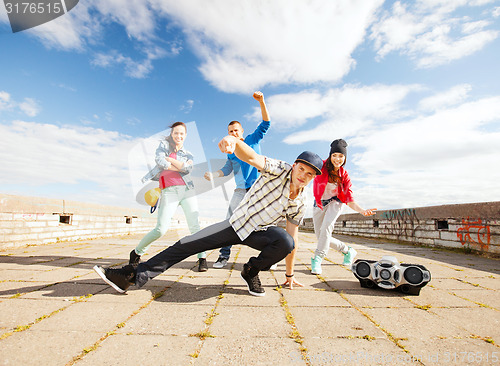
(205, 332)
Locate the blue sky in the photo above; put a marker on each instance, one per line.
(413, 87)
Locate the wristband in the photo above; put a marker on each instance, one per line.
(288, 276)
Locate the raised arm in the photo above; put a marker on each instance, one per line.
(231, 144)
(259, 97)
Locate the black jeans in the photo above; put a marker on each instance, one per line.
(274, 245)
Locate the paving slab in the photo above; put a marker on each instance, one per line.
(168, 319)
(18, 313)
(250, 322)
(45, 348)
(54, 310)
(150, 349)
(450, 351)
(250, 351)
(323, 322)
(352, 351)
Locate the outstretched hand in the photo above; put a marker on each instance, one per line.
(228, 144)
(369, 212)
(291, 281)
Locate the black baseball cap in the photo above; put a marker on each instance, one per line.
(311, 159)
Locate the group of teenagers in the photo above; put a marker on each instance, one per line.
(267, 191)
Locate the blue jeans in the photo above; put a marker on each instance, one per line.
(238, 195)
(274, 244)
(171, 198)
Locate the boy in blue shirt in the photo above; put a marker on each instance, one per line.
(244, 174)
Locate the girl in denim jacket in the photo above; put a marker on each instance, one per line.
(172, 170)
(332, 189)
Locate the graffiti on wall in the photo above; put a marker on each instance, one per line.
(474, 233)
(402, 223)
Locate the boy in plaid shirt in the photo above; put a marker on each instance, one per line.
(277, 194)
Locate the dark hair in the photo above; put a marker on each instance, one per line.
(175, 124)
(233, 123)
(170, 140)
(332, 174)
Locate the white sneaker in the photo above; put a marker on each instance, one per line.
(349, 257)
(221, 262)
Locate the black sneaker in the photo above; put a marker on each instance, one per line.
(202, 265)
(135, 258)
(120, 279)
(251, 277)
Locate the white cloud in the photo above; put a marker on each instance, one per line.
(473, 27)
(430, 33)
(85, 164)
(133, 121)
(83, 25)
(442, 158)
(306, 105)
(44, 154)
(187, 107)
(438, 49)
(136, 16)
(30, 107)
(134, 69)
(261, 43)
(280, 42)
(453, 96)
(72, 31)
(5, 102)
(342, 112)
(442, 152)
(66, 87)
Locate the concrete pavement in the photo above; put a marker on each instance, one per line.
(54, 310)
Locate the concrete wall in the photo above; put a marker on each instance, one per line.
(33, 221)
(471, 226)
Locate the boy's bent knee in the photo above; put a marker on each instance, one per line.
(286, 242)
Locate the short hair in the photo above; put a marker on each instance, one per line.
(233, 123)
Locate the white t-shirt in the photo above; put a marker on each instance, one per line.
(330, 191)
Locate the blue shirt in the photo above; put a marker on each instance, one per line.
(245, 174)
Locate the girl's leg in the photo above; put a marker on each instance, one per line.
(318, 219)
(189, 204)
(168, 205)
(324, 230)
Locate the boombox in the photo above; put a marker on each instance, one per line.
(389, 274)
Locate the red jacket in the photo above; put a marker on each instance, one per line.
(344, 188)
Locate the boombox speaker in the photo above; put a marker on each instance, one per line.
(389, 274)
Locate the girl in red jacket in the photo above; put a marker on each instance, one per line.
(332, 189)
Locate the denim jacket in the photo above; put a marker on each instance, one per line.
(162, 164)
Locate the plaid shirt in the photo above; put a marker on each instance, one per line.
(268, 202)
